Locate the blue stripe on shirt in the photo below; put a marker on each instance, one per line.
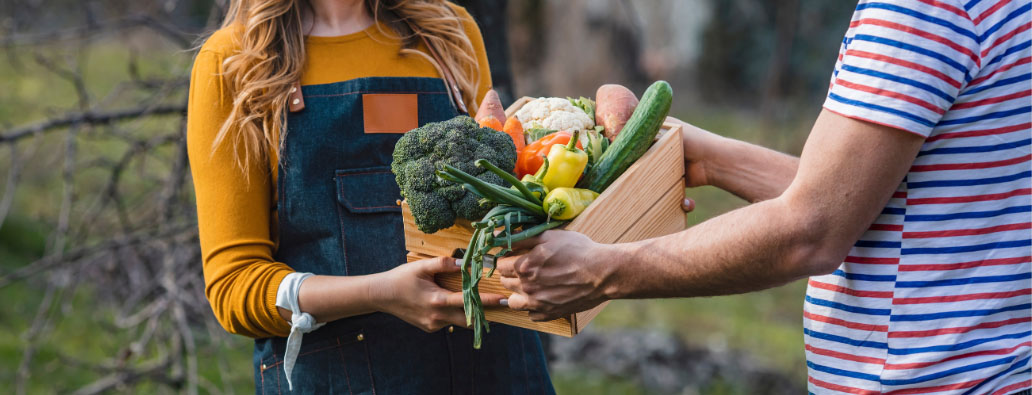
(964, 281)
(1014, 14)
(957, 346)
(902, 80)
(997, 84)
(884, 109)
(845, 340)
(842, 372)
(863, 277)
(971, 248)
(970, 181)
(992, 115)
(975, 149)
(921, 16)
(877, 244)
(990, 379)
(969, 214)
(950, 372)
(1010, 51)
(894, 210)
(845, 307)
(912, 48)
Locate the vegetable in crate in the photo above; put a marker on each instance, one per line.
(567, 203)
(615, 106)
(554, 113)
(635, 138)
(533, 155)
(459, 142)
(565, 164)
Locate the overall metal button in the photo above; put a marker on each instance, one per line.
(451, 328)
(360, 337)
(264, 367)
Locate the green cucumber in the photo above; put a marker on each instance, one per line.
(634, 139)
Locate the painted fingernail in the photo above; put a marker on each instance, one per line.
(504, 302)
(458, 262)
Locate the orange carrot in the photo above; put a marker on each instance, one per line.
(491, 122)
(514, 129)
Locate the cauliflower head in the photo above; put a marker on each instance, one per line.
(554, 113)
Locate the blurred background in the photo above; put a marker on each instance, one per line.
(100, 273)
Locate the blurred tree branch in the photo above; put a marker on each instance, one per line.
(111, 167)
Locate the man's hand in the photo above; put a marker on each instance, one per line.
(560, 274)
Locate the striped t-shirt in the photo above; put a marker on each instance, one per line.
(935, 297)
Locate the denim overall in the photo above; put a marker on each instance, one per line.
(338, 215)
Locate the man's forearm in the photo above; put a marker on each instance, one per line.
(749, 171)
(752, 248)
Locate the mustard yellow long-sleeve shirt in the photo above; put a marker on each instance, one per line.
(234, 211)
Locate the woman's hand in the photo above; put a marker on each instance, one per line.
(410, 293)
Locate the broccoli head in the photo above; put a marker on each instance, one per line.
(459, 142)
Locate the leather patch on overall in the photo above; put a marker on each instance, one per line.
(390, 112)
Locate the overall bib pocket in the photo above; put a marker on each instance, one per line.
(372, 234)
(338, 362)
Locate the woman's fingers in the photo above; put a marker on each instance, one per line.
(454, 299)
(441, 264)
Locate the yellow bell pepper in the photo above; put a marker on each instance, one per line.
(566, 163)
(568, 203)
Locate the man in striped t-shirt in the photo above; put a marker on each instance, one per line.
(919, 286)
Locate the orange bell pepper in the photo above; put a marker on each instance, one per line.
(533, 155)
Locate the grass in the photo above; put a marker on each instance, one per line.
(765, 324)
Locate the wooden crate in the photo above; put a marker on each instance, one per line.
(644, 202)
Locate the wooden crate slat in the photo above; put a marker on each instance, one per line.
(453, 282)
(664, 218)
(644, 202)
(622, 203)
(440, 243)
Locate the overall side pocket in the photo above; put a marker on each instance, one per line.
(372, 234)
(335, 365)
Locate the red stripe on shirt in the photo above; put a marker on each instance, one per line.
(887, 93)
(947, 7)
(1011, 388)
(899, 195)
(967, 232)
(910, 65)
(1006, 37)
(961, 329)
(982, 132)
(989, 12)
(917, 32)
(937, 388)
(918, 365)
(842, 388)
(844, 323)
(969, 199)
(850, 291)
(998, 99)
(1019, 62)
(965, 265)
(871, 260)
(966, 166)
(886, 227)
(842, 355)
(960, 298)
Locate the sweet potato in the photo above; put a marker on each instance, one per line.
(615, 104)
(491, 106)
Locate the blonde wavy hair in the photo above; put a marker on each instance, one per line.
(272, 54)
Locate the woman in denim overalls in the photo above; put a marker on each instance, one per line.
(336, 209)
